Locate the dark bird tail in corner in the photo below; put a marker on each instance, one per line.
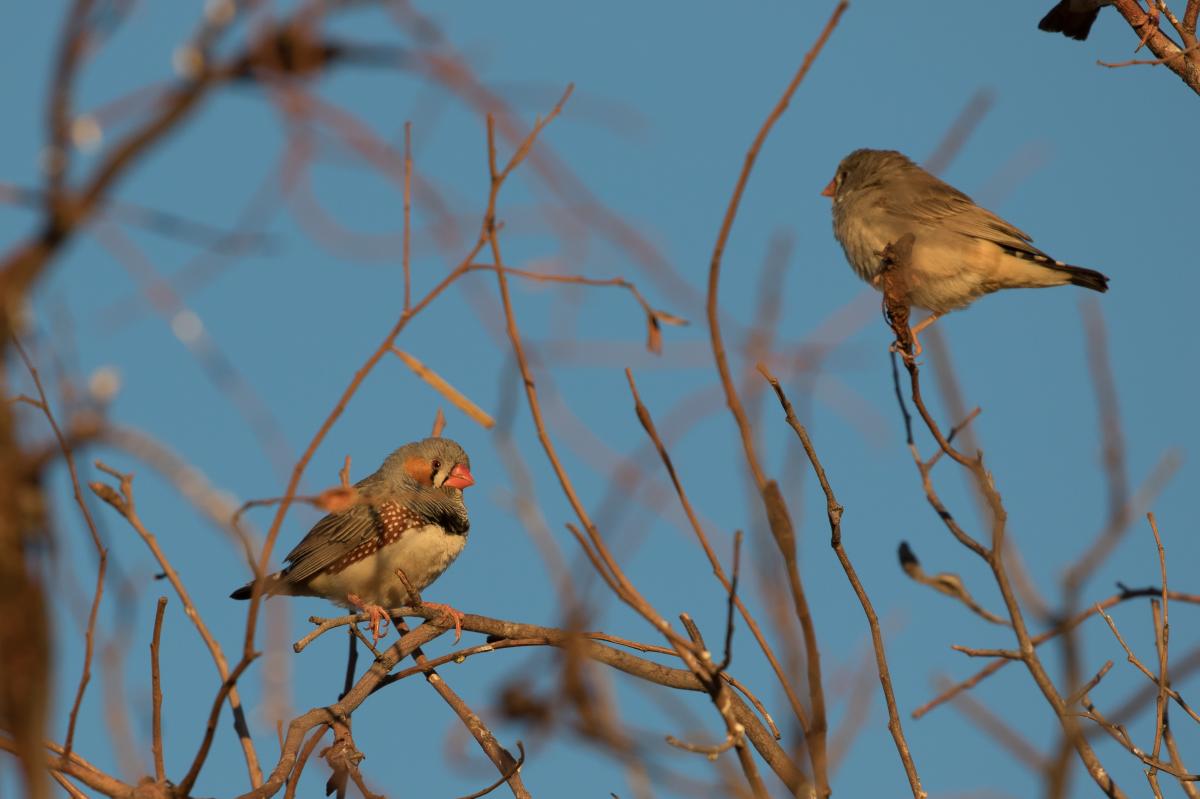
(1082, 276)
(270, 587)
(1076, 275)
(1072, 24)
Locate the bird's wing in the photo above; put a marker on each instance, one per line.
(933, 203)
(337, 534)
(331, 538)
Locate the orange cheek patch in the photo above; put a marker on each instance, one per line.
(419, 470)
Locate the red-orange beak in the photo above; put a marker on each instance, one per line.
(460, 477)
(828, 190)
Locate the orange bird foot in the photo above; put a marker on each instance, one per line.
(378, 617)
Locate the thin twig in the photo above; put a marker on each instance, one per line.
(299, 727)
(1120, 514)
(1043, 637)
(834, 511)
(210, 729)
(1162, 637)
(508, 766)
(1087, 687)
(1133, 659)
(710, 750)
(1169, 739)
(954, 431)
(351, 659)
(896, 257)
(1150, 62)
(599, 551)
(733, 583)
(75, 766)
(776, 508)
(1121, 736)
(123, 503)
(1190, 15)
(73, 48)
(156, 696)
(1146, 27)
(407, 246)
(101, 551)
(305, 754)
(516, 766)
(649, 670)
(1010, 654)
(654, 318)
(460, 655)
(449, 392)
(643, 414)
(71, 790)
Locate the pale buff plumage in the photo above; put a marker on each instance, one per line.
(960, 251)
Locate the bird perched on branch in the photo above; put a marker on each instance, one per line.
(1073, 18)
(960, 251)
(407, 525)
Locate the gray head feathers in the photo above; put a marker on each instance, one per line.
(427, 477)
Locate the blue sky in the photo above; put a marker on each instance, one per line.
(1096, 164)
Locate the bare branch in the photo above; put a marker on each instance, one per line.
(1150, 62)
(508, 766)
(101, 551)
(210, 729)
(896, 312)
(516, 766)
(1008, 654)
(1137, 663)
(305, 754)
(406, 256)
(72, 765)
(643, 414)
(156, 697)
(1041, 638)
(834, 511)
(497, 630)
(123, 503)
(776, 508)
(449, 392)
(1162, 630)
(1160, 43)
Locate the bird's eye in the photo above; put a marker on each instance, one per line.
(437, 465)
